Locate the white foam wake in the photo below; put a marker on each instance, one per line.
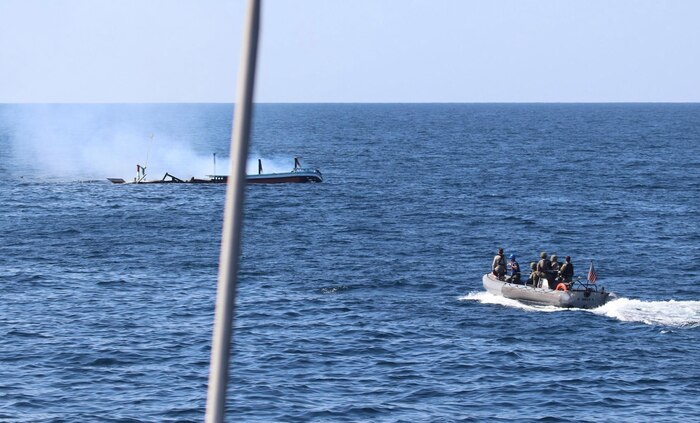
(665, 313)
(488, 298)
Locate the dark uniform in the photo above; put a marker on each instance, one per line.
(514, 270)
(566, 273)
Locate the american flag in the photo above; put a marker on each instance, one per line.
(592, 277)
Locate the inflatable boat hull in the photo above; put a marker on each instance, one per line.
(576, 298)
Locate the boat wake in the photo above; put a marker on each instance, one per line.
(488, 298)
(665, 313)
(683, 314)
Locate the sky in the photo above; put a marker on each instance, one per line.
(162, 51)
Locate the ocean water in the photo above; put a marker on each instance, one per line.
(360, 298)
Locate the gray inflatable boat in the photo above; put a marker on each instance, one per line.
(580, 296)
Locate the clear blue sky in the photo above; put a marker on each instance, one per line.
(352, 50)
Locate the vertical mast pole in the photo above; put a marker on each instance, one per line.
(233, 219)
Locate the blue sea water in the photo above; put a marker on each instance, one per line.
(360, 298)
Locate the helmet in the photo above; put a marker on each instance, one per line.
(554, 257)
(512, 256)
(543, 255)
(533, 265)
(567, 258)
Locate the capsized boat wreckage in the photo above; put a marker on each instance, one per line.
(579, 295)
(298, 174)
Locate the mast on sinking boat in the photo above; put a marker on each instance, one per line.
(141, 169)
(140, 173)
(233, 220)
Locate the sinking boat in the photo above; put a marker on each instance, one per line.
(298, 174)
(580, 295)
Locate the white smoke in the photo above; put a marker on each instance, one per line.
(78, 142)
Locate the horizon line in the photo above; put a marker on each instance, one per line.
(340, 102)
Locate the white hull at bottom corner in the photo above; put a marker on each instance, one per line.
(585, 297)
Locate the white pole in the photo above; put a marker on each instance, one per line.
(233, 219)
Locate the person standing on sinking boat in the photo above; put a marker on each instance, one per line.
(498, 266)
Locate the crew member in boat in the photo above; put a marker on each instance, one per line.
(514, 270)
(555, 265)
(534, 275)
(544, 268)
(553, 272)
(566, 273)
(498, 266)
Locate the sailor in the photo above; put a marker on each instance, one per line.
(544, 268)
(555, 265)
(498, 266)
(514, 270)
(554, 273)
(566, 273)
(534, 276)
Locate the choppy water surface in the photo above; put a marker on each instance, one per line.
(360, 298)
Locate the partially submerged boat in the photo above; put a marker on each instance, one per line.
(580, 295)
(298, 174)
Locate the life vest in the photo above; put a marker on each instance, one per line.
(499, 260)
(514, 267)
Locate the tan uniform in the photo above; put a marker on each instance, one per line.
(533, 279)
(498, 267)
(556, 266)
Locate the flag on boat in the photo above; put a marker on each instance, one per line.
(592, 277)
